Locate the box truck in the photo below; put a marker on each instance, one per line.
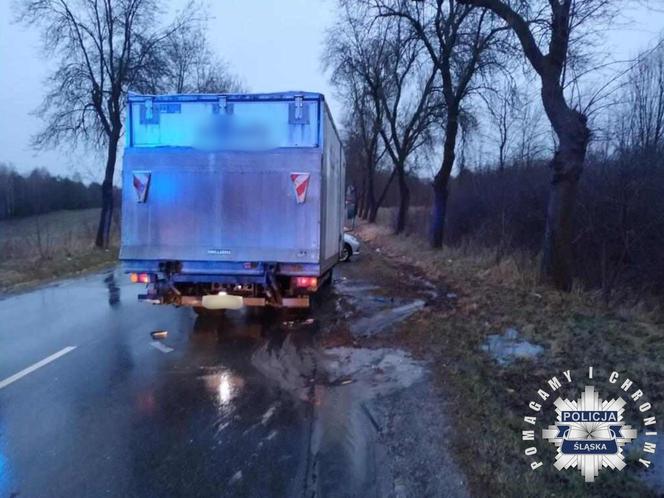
(231, 200)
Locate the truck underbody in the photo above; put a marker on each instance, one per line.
(233, 286)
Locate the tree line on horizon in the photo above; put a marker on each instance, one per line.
(40, 192)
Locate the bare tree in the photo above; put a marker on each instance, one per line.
(556, 24)
(502, 106)
(365, 135)
(514, 120)
(398, 82)
(105, 48)
(530, 136)
(644, 96)
(191, 66)
(347, 55)
(368, 120)
(410, 106)
(459, 41)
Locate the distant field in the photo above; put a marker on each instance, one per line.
(50, 245)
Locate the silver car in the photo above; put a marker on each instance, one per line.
(351, 247)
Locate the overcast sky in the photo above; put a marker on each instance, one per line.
(272, 44)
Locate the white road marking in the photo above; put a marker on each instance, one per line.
(32, 368)
(158, 345)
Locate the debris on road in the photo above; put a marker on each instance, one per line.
(161, 347)
(294, 323)
(159, 334)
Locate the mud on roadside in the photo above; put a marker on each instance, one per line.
(366, 394)
(484, 396)
(370, 393)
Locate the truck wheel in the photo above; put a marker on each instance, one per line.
(346, 253)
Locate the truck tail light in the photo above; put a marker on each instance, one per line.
(306, 282)
(139, 278)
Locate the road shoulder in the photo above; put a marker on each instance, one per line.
(484, 399)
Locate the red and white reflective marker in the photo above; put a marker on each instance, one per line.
(141, 183)
(301, 183)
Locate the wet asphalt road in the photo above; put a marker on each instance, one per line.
(244, 405)
(118, 417)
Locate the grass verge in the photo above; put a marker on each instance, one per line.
(488, 401)
(46, 247)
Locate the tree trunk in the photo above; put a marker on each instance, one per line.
(366, 209)
(438, 213)
(570, 126)
(373, 211)
(363, 210)
(441, 181)
(361, 201)
(370, 197)
(557, 259)
(404, 201)
(104, 228)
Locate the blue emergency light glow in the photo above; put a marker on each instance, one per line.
(225, 122)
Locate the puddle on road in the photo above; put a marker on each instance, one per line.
(358, 296)
(381, 320)
(340, 385)
(345, 434)
(290, 366)
(428, 288)
(375, 371)
(507, 348)
(348, 287)
(223, 386)
(378, 312)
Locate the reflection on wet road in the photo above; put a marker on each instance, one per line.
(249, 404)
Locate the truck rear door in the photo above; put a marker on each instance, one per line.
(213, 179)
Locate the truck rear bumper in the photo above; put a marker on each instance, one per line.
(236, 302)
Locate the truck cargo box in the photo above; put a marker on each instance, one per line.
(224, 188)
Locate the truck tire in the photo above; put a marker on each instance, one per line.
(346, 253)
